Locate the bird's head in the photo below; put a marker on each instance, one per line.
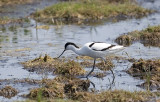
(68, 46)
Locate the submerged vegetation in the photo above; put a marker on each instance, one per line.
(12, 22)
(88, 11)
(14, 2)
(7, 20)
(149, 37)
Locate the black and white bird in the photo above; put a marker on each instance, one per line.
(94, 50)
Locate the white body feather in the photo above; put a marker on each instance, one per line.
(97, 50)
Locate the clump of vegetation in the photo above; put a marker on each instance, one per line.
(8, 92)
(76, 89)
(40, 63)
(150, 36)
(66, 86)
(125, 40)
(105, 66)
(149, 71)
(88, 11)
(114, 96)
(68, 68)
(50, 90)
(60, 88)
(74, 86)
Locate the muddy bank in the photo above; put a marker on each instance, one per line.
(148, 70)
(149, 37)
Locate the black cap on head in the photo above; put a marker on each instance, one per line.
(70, 43)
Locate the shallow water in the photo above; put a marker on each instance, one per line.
(21, 45)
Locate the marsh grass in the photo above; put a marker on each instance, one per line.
(77, 90)
(149, 71)
(91, 10)
(59, 88)
(148, 77)
(50, 100)
(149, 37)
(63, 67)
(114, 96)
(69, 88)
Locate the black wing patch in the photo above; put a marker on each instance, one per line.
(108, 47)
(94, 43)
(104, 48)
(91, 44)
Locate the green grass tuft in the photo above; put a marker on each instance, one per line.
(149, 37)
(89, 10)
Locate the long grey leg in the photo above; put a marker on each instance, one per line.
(92, 68)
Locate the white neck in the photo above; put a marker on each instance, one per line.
(76, 50)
